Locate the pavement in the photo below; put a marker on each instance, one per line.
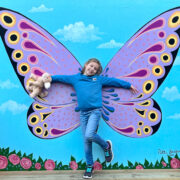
(144, 174)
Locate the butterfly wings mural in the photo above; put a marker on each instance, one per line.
(145, 60)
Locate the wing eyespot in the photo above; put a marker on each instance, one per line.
(148, 86)
(140, 123)
(174, 20)
(153, 115)
(17, 55)
(24, 68)
(8, 19)
(139, 132)
(147, 130)
(34, 119)
(38, 130)
(171, 41)
(165, 58)
(13, 37)
(157, 70)
(45, 125)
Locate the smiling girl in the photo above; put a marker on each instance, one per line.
(88, 86)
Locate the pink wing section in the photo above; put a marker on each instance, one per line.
(32, 49)
(49, 122)
(145, 60)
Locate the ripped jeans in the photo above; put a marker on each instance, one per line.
(89, 123)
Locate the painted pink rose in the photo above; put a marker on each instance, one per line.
(97, 165)
(3, 162)
(38, 166)
(25, 163)
(175, 163)
(73, 165)
(14, 159)
(163, 163)
(139, 167)
(49, 164)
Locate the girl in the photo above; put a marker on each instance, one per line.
(88, 86)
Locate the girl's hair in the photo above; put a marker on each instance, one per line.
(93, 60)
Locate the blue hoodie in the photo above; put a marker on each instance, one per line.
(89, 88)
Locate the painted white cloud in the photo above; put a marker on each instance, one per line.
(175, 116)
(13, 107)
(111, 44)
(78, 32)
(171, 94)
(177, 61)
(41, 8)
(7, 85)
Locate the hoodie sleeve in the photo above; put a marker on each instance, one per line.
(115, 82)
(67, 79)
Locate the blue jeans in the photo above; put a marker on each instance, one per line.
(89, 123)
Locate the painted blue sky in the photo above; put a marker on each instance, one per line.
(96, 28)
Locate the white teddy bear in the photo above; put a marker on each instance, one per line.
(39, 84)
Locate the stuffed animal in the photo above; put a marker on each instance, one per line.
(38, 85)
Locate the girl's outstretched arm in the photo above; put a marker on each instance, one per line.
(68, 79)
(116, 82)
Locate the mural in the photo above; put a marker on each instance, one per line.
(144, 60)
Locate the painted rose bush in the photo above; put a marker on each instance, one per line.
(139, 167)
(49, 165)
(3, 162)
(16, 161)
(97, 166)
(25, 163)
(175, 163)
(73, 165)
(164, 164)
(38, 166)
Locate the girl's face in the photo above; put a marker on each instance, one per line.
(91, 69)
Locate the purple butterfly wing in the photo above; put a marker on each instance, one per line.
(133, 119)
(144, 61)
(32, 49)
(49, 122)
(147, 57)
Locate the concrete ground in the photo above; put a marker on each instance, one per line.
(158, 174)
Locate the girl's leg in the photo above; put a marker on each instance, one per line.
(91, 127)
(84, 116)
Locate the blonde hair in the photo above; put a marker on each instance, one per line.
(99, 71)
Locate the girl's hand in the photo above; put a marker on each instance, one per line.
(133, 90)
